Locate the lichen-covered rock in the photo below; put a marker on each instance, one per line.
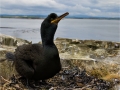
(11, 41)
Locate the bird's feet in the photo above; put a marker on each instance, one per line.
(43, 82)
(13, 80)
(28, 83)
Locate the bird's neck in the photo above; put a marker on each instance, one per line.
(48, 41)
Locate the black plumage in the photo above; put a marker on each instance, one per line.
(39, 61)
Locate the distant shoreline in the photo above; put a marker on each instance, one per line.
(42, 17)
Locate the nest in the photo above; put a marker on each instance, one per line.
(66, 79)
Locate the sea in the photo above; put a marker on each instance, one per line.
(82, 29)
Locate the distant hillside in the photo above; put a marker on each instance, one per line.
(43, 16)
(23, 16)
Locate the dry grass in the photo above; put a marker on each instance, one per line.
(7, 69)
(98, 72)
(111, 77)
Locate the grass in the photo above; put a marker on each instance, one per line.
(6, 69)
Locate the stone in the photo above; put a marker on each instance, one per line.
(11, 41)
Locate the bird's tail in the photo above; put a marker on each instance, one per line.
(10, 56)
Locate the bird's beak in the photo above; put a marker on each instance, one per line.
(55, 21)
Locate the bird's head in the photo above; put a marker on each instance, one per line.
(49, 26)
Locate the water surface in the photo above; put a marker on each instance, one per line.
(95, 29)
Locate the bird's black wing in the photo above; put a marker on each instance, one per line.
(28, 52)
(25, 57)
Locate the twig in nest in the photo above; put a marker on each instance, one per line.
(85, 87)
(5, 79)
(2, 60)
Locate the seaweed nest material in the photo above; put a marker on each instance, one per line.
(67, 79)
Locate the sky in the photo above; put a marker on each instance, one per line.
(99, 8)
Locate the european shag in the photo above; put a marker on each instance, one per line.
(39, 61)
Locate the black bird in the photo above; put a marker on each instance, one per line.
(36, 61)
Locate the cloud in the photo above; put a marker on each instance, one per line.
(109, 8)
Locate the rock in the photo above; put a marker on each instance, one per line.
(11, 41)
(63, 39)
(101, 53)
(117, 45)
(74, 41)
